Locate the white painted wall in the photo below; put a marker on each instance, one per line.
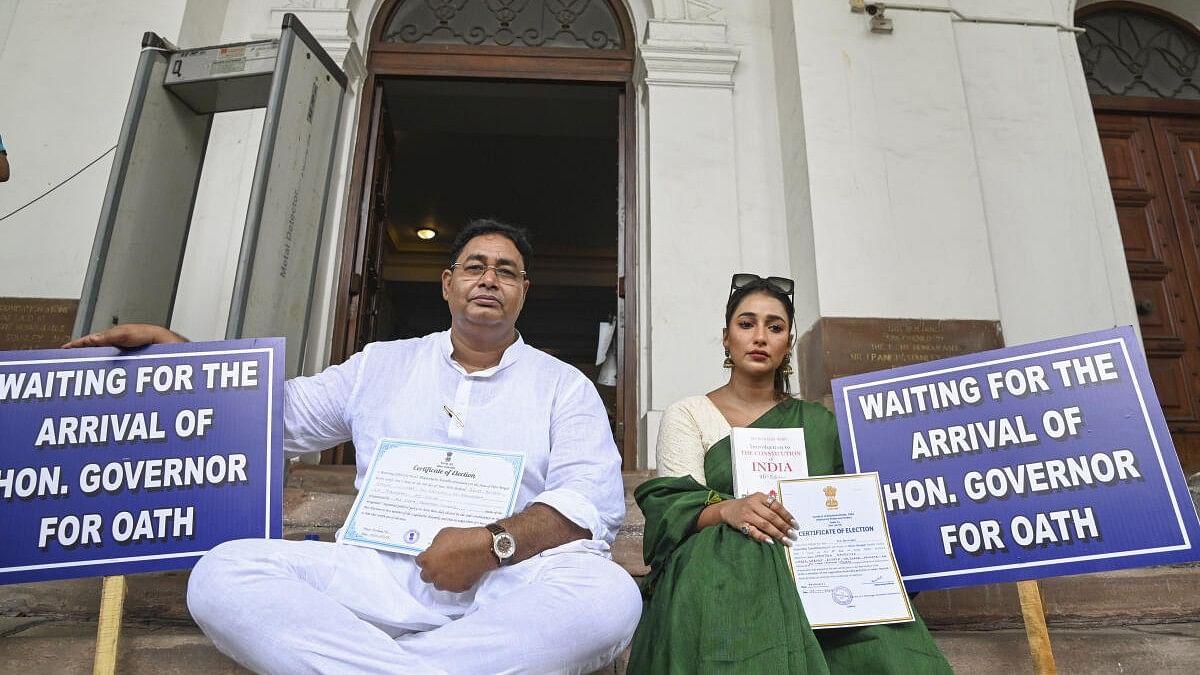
(202, 22)
(67, 68)
(898, 222)
(1055, 240)
(952, 168)
(761, 222)
(793, 158)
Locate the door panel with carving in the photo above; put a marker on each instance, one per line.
(1154, 171)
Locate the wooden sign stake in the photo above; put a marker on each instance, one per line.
(1035, 627)
(108, 632)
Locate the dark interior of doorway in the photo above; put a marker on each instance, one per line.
(540, 155)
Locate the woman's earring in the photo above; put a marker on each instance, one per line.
(786, 369)
(728, 361)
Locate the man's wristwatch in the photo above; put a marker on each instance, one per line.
(503, 544)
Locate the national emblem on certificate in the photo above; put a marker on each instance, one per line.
(413, 490)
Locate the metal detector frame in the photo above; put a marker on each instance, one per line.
(137, 255)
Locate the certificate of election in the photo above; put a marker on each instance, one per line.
(842, 560)
(412, 490)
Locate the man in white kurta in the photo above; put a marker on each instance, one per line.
(562, 606)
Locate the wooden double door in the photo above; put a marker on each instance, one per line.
(1154, 170)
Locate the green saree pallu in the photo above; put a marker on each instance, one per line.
(717, 601)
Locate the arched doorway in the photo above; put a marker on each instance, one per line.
(1143, 72)
(519, 110)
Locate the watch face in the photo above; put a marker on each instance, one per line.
(504, 545)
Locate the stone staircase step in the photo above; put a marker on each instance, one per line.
(68, 647)
(65, 647)
(1140, 596)
(321, 510)
(1135, 596)
(1164, 649)
(58, 647)
(322, 477)
(153, 596)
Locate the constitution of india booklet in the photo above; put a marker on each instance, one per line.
(763, 457)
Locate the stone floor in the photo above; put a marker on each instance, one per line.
(1131, 621)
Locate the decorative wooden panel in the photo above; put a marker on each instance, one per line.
(1154, 172)
(1124, 155)
(1138, 218)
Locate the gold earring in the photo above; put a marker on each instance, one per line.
(786, 368)
(728, 361)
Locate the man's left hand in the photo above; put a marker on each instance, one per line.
(457, 558)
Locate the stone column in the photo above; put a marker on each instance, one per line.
(691, 220)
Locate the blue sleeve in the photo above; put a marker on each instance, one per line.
(2, 145)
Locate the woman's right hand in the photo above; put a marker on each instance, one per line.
(760, 517)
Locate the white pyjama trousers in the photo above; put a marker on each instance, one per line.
(297, 607)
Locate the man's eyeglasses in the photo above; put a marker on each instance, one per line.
(475, 270)
(781, 284)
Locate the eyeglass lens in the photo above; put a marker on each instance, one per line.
(475, 270)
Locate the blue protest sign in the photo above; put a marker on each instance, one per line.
(1041, 460)
(122, 462)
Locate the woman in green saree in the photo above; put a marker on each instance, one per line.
(720, 596)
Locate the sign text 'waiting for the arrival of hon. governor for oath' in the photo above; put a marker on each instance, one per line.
(1040, 460)
(120, 462)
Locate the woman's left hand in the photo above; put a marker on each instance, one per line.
(760, 517)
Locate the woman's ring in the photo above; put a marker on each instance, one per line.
(770, 500)
(746, 529)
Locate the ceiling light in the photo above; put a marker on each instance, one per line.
(426, 233)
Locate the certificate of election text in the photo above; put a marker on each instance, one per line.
(842, 560)
(413, 490)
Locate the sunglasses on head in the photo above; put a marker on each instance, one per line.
(781, 284)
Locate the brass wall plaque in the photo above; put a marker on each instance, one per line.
(36, 323)
(837, 347)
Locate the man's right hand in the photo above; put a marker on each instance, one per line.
(127, 336)
(457, 558)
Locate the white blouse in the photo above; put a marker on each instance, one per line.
(688, 429)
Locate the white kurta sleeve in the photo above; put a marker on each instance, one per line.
(316, 410)
(583, 477)
(680, 446)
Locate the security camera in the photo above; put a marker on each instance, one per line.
(879, 22)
